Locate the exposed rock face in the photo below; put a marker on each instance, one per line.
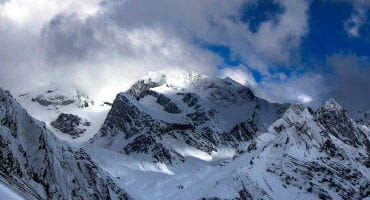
(336, 120)
(167, 104)
(52, 98)
(40, 166)
(142, 88)
(147, 144)
(70, 124)
(245, 131)
(136, 126)
(190, 99)
(363, 118)
(129, 123)
(163, 100)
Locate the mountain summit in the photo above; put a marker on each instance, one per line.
(193, 110)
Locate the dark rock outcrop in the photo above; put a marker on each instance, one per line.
(70, 124)
(54, 100)
(336, 120)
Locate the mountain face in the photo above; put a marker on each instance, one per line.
(39, 166)
(182, 135)
(192, 109)
(323, 153)
(363, 118)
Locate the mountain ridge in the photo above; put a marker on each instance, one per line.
(183, 135)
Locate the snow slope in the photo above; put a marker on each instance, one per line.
(9, 194)
(46, 103)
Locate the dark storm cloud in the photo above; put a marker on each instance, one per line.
(349, 83)
(67, 38)
(343, 77)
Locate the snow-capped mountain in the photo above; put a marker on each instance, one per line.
(165, 113)
(183, 135)
(37, 165)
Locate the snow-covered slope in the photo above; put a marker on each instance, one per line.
(7, 193)
(307, 157)
(76, 117)
(39, 166)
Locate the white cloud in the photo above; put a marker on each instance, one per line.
(304, 98)
(35, 14)
(87, 52)
(279, 88)
(91, 42)
(298, 88)
(277, 40)
(217, 23)
(240, 74)
(356, 20)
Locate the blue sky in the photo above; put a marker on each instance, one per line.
(304, 51)
(327, 34)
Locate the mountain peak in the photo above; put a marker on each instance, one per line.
(216, 91)
(331, 104)
(297, 108)
(179, 78)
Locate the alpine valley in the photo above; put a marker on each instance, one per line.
(179, 135)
